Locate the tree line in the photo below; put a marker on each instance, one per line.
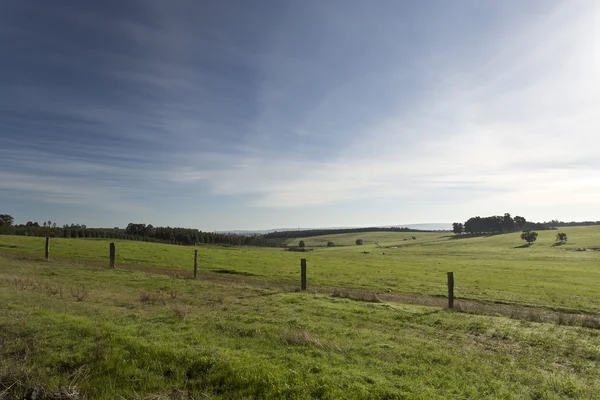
(487, 225)
(188, 236)
(133, 231)
(322, 232)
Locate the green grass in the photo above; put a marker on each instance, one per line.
(146, 335)
(491, 268)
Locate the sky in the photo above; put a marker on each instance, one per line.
(267, 114)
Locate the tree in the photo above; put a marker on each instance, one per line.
(561, 237)
(519, 222)
(6, 220)
(508, 224)
(529, 236)
(301, 244)
(457, 228)
(330, 244)
(359, 242)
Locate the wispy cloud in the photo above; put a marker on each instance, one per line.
(300, 107)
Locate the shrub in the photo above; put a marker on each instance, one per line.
(561, 237)
(80, 293)
(359, 242)
(301, 244)
(330, 244)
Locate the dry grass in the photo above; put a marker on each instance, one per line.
(299, 337)
(149, 297)
(358, 295)
(19, 387)
(179, 312)
(80, 292)
(530, 314)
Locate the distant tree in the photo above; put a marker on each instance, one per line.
(414, 238)
(6, 220)
(529, 236)
(457, 228)
(330, 244)
(561, 237)
(54, 225)
(508, 224)
(44, 224)
(301, 244)
(359, 242)
(519, 222)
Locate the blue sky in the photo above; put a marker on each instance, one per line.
(254, 115)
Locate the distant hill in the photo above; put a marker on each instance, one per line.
(416, 227)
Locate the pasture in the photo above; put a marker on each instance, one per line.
(73, 328)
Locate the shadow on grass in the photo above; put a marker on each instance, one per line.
(468, 236)
(523, 246)
(232, 271)
(9, 246)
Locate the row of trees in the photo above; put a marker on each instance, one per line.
(187, 236)
(499, 224)
(133, 231)
(486, 225)
(66, 231)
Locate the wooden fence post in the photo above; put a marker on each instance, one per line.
(450, 289)
(195, 263)
(112, 255)
(303, 274)
(47, 251)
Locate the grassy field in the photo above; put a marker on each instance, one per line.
(494, 268)
(72, 328)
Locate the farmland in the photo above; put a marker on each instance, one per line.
(73, 327)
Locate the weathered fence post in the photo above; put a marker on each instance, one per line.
(195, 263)
(450, 289)
(47, 252)
(112, 255)
(303, 274)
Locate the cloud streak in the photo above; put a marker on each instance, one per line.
(299, 108)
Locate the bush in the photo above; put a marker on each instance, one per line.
(359, 242)
(301, 244)
(330, 244)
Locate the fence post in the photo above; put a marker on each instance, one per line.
(303, 274)
(47, 251)
(112, 255)
(450, 289)
(195, 263)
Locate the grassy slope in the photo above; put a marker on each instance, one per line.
(486, 268)
(205, 339)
